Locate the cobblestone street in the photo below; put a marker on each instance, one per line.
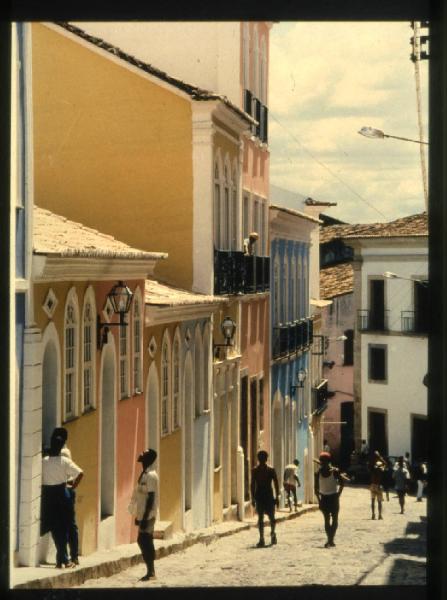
(388, 552)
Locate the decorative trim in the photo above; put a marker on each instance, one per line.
(157, 315)
(152, 347)
(51, 268)
(108, 311)
(50, 303)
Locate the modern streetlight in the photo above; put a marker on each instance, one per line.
(370, 132)
(390, 275)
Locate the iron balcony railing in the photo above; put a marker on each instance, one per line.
(319, 398)
(288, 338)
(238, 273)
(368, 320)
(413, 322)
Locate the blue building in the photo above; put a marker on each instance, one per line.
(291, 342)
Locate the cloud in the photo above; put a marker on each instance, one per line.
(327, 80)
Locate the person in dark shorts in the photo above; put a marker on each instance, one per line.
(401, 477)
(377, 470)
(328, 488)
(387, 480)
(262, 478)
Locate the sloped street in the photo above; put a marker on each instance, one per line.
(387, 552)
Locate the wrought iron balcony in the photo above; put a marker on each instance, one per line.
(319, 398)
(368, 320)
(239, 273)
(414, 322)
(291, 337)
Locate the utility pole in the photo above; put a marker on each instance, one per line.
(419, 52)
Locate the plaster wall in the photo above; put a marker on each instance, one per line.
(113, 149)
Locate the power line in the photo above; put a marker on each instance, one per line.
(327, 168)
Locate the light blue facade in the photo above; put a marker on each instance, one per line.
(289, 304)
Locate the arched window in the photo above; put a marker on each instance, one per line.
(165, 382)
(198, 370)
(70, 355)
(234, 209)
(285, 289)
(263, 73)
(124, 361)
(176, 381)
(206, 367)
(246, 55)
(255, 61)
(276, 291)
(88, 350)
(226, 209)
(137, 343)
(217, 207)
(293, 313)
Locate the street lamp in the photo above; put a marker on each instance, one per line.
(370, 132)
(120, 298)
(228, 328)
(390, 275)
(300, 378)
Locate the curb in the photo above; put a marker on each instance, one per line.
(111, 567)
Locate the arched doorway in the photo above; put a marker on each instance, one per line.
(152, 412)
(106, 537)
(187, 441)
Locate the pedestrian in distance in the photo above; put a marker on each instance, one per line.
(387, 479)
(401, 477)
(329, 484)
(144, 505)
(72, 531)
(364, 451)
(377, 470)
(55, 508)
(420, 474)
(326, 447)
(249, 243)
(262, 478)
(290, 481)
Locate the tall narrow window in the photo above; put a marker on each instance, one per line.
(88, 382)
(421, 307)
(246, 217)
(377, 363)
(299, 282)
(137, 385)
(349, 348)
(292, 313)
(262, 233)
(285, 290)
(305, 286)
(124, 361)
(261, 404)
(256, 62)
(165, 385)
(234, 211)
(70, 358)
(217, 208)
(206, 368)
(226, 211)
(263, 73)
(176, 383)
(377, 304)
(276, 291)
(256, 225)
(198, 370)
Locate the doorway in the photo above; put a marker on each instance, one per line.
(419, 445)
(377, 304)
(346, 433)
(377, 431)
(244, 434)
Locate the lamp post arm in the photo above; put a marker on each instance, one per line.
(396, 137)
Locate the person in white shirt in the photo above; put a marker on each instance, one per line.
(55, 510)
(401, 478)
(144, 505)
(72, 533)
(328, 488)
(290, 481)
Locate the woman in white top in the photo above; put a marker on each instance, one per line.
(328, 488)
(55, 509)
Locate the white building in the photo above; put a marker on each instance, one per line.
(390, 342)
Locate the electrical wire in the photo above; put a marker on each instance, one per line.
(328, 168)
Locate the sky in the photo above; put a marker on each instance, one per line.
(327, 80)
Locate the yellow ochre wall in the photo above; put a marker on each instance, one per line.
(112, 149)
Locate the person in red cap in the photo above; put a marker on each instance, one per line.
(328, 488)
(143, 506)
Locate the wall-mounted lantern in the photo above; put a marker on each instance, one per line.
(120, 298)
(228, 328)
(300, 379)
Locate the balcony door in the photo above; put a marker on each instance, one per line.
(377, 304)
(421, 307)
(377, 431)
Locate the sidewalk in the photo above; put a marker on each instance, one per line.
(108, 562)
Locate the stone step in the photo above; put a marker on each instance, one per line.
(163, 530)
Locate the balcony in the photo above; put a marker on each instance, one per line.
(239, 273)
(319, 398)
(414, 322)
(370, 321)
(290, 337)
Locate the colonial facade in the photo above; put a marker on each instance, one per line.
(390, 343)
(292, 340)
